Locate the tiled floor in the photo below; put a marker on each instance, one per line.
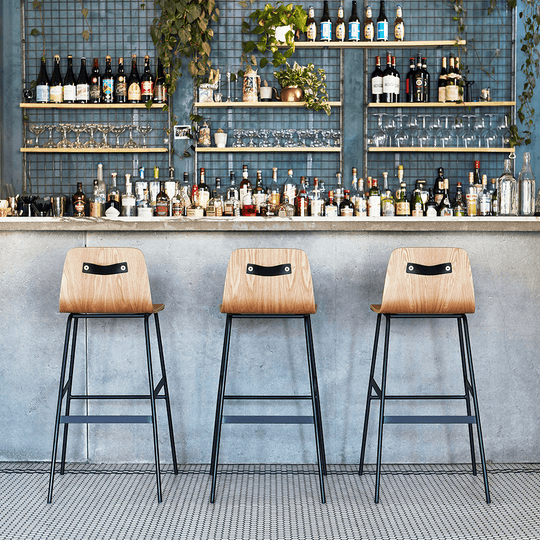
(269, 502)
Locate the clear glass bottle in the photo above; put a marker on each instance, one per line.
(471, 197)
(459, 207)
(507, 192)
(289, 187)
(177, 202)
(338, 192)
(346, 208)
(96, 204)
(215, 204)
(484, 199)
(286, 209)
(526, 187)
(360, 201)
(128, 208)
(113, 195)
(374, 201)
(387, 200)
(231, 206)
(274, 194)
(331, 208)
(185, 193)
(317, 200)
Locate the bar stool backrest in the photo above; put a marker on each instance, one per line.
(428, 281)
(268, 281)
(105, 280)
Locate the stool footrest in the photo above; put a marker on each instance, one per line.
(113, 396)
(110, 419)
(238, 396)
(268, 419)
(430, 419)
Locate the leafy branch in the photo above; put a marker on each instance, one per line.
(85, 33)
(36, 4)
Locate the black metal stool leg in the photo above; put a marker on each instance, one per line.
(166, 393)
(59, 408)
(316, 415)
(467, 393)
(369, 397)
(152, 405)
(219, 406)
(381, 412)
(476, 411)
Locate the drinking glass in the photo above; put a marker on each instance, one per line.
(78, 129)
(117, 131)
(479, 128)
(130, 142)
(379, 137)
(400, 137)
(228, 73)
(64, 143)
(264, 134)
(104, 129)
(414, 130)
(457, 128)
(277, 134)
(326, 134)
(288, 135)
(434, 130)
(252, 134)
(504, 131)
(468, 135)
(144, 131)
(91, 142)
(390, 129)
(50, 142)
(37, 130)
(490, 135)
(423, 135)
(238, 134)
(336, 135)
(445, 134)
(302, 134)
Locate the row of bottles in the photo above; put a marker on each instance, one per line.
(370, 30)
(98, 87)
(504, 197)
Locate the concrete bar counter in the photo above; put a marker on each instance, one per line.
(187, 261)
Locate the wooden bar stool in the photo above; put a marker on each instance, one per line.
(108, 283)
(269, 283)
(426, 283)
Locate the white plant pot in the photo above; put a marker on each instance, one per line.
(221, 139)
(281, 31)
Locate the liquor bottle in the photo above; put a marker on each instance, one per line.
(484, 199)
(399, 25)
(410, 82)
(79, 202)
(374, 208)
(302, 199)
(419, 82)
(369, 182)
(460, 83)
(340, 25)
(437, 188)
(259, 196)
(471, 197)
(147, 82)
(244, 184)
(354, 24)
(232, 202)
(354, 186)
(388, 83)
(526, 187)
(95, 205)
(445, 207)
(346, 208)
(326, 23)
(128, 208)
(177, 202)
(162, 202)
(42, 84)
(56, 92)
(388, 208)
(286, 209)
(452, 90)
(107, 82)
(430, 208)
(215, 204)
(311, 25)
(369, 26)
(83, 88)
(494, 198)
(160, 88)
(95, 83)
(377, 82)
(120, 83)
(417, 204)
(477, 178)
(113, 196)
(195, 210)
(70, 88)
(441, 84)
(459, 207)
(317, 204)
(274, 195)
(338, 191)
(331, 208)
(360, 202)
(203, 191)
(134, 82)
(382, 24)
(396, 81)
(427, 81)
(403, 206)
(289, 187)
(184, 188)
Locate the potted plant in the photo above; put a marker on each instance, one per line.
(276, 25)
(304, 82)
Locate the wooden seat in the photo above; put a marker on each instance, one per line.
(108, 283)
(269, 283)
(426, 283)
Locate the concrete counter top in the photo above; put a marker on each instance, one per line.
(258, 224)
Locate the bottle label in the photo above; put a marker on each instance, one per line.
(471, 205)
(399, 31)
(374, 205)
(121, 86)
(388, 84)
(108, 89)
(369, 32)
(340, 32)
(431, 212)
(202, 198)
(326, 31)
(331, 211)
(360, 207)
(382, 30)
(83, 92)
(134, 92)
(354, 31)
(442, 94)
(56, 94)
(452, 92)
(446, 212)
(160, 93)
(79, 208)
(388, 208)
(70, 92)
(347, 211)
(94, 92)
(377, 86)
(162, 209)
(403, 208)
(316, 207)
(147, 88)
(311, 33)
(42, 93)
(485, 204)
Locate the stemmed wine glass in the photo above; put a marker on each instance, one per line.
(104, 129)
(412, 126)
(50, 142)
(445, 133)
(479, 130)
(327, 136)
(37, 130)
(251, 133)
(78, 129)
(468, 134)
(64, 143)
(228, 73)
(91, 142)
(277, 133)
(434, 130)
(390, 128)
(130, 142)
(336, 135)
(379, 137)
(400, 137)
(490, 135)
(302, 134)
(423, 135)
(117, 131)
(457, 128)
(238, 134)
(263, 135)
(504, 130)
(288, 135)
(144, 131)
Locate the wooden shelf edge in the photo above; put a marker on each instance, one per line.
(88, 106)
(306, 149)
(93, 150)
(255, 105)
(437, 104)
(376, 44)
(435, 149)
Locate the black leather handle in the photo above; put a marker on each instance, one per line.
(269, 271)
(97, 269)
(435, 270)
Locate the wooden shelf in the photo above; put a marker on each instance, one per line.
(435, 149)
(463, 104)
(256, 105)
(89, 106)
(306, 149)
(112, 150)
(377, 44)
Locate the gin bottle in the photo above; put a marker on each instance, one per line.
(507, 192)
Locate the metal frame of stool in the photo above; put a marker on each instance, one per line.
(315, 419)
(66, 386)
(379, 393)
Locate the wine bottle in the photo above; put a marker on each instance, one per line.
(427, 81)
(410, 82)
(417, 204)
(95, 83)
(374, 201)
(403, 206)
(418, 82)
(441, 84)
(377, 82)
(445, 208)
(369, 26)
(134, 82)
(160, 89)
(484, 199)
(107, 82)
(452, 90)
(326, 23)
(42, 83)
(120, 84)
(382, 24)
(83, 88)
(70, 89)
(311, 25)
(147, 82)
(56, 94)
(340, 25)
(79, 202)
(399, 25)
(354, 24)
(396, 81)
(459, 207)
(388, 95)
